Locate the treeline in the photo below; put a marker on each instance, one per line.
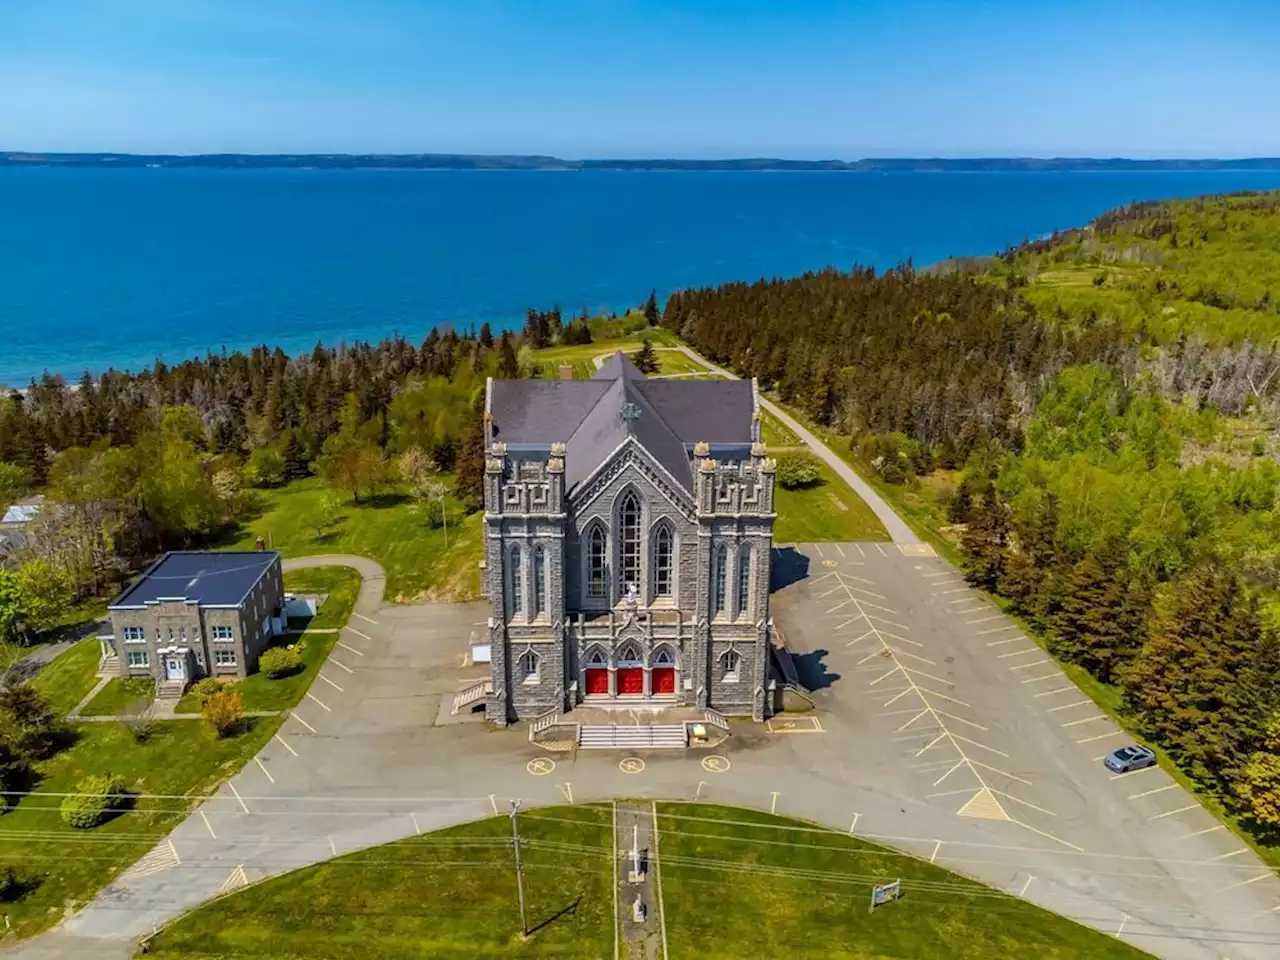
(1149, 572)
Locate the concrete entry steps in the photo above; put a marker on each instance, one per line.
(633, 737)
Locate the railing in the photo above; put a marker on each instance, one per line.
(542, 721)
(717, 719)
(477, 691)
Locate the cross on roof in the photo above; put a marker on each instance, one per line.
(629, 412)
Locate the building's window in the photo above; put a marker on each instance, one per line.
(663, 658)
(182, 634)
(719, 600)
(517, 600)
(629, 656)
(529, 665)
(171, 634)
(629, 530)
(223, 633)
(597, 562)
(266, 628)
(135, 635)
(730, 662)
(224, 658)
(136, 658)
(597, 658)
(663, 551)
(200, 657)
(744, 581)
(539, 581)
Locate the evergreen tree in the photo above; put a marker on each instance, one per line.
(470, 463)
(508, 366)
(646, 358)
(296, 464)
(486, 336)
(984, 541)
(651, 316)
(960, 505)
(1100, 617)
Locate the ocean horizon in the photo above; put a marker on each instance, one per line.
(105, 268)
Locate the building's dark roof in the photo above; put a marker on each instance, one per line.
(208, 577)
(671, 416)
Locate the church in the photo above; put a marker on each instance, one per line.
(628, 539)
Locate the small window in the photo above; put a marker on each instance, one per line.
(730, 661)
(720, 601)
(597, 550)
(224, 658)
(629, 655)
(597, 658)
(514, 575)
(135, 635)
(539, 581)
(663, 658)
(199, 656)
(529, 664)
(744, 582)
(223, 633)
(136, 658)
(662, 555)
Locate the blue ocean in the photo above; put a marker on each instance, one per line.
(113, 268)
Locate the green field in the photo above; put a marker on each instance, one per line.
(70, 676)
(260, 692)
(826, 511)
(582, 357)
(774, 433)
(386, 529)
(62, 867)
(119, 695)
(735, 884)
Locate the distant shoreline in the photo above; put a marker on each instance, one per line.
(444, 161)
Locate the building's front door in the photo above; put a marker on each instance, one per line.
(631, 681)
(598, 680)
(664, 680)
(175, 667)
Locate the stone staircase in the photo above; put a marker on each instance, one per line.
(109, 666)
(170, 689)
(472, 694)
(658, 736)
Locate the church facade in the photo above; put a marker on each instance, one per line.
(628, 540)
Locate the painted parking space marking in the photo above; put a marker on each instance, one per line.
(362, 636)
(239, 799)
(340, 665)
(940, 573)
(715, 763)
(1102, 736)
(540, 766)
(631, 765)
(839, 549)
(1200, 833)
(795, 724)
(1228, 856)
(1053, 693)
(1068, 706)
(1171, 813)
(818, 547)
(1016, 653)
(350, 649)
(1076, 723)
(264, 769)
(285, 743)
(207, 824)
(329, 682)
(301, 721)
(1147, 793)
(1031, 665)
(994, 616)
(1001, 643)
(1047, 676)
(365, 619)
(311, 696)
(1007, 626)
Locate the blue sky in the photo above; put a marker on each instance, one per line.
(625, 78)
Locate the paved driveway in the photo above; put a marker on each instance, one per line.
(940, 731)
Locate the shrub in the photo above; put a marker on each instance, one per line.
(223, 711)
(266, 468)
(27, 724)
(796, 470)
(10, 886)
(93, 801)
(279, 662)
(206, 688)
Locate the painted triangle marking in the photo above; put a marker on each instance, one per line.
(984, 806)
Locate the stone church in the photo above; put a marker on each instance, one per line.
(628, 536)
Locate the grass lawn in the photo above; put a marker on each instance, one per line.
(826, 511)
(450, 894)
(386, 529)
(781, 889)
(774, 432)
(65, 867)
(260, 692)
(70, 676)
(582, 357)
(119, 694)
(758, 886)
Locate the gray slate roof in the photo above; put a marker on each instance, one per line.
(585, 415)
(207, 577)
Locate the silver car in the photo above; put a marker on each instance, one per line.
(1127, 759)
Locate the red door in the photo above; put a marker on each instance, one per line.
(631, 681)
(664, 679)
(597, 680)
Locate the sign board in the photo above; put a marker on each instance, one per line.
(885, 892)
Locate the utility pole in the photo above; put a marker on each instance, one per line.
(444, 518)
(515, 836)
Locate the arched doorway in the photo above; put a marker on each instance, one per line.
(597, 671)
(663, 671)
(630, 671)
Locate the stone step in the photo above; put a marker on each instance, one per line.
(631, 736)
(170, 690)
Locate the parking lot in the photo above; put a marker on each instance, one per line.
(939, 729)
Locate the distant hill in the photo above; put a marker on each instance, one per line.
(465, 161)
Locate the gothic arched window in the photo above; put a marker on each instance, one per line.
(514, 576)
(629, 532)
(664, 657)
(744, 581)
(598, 658)
(663, 552)
(629, 655)
(719, 598)
(539, 581)
(730, 661)
(529, 667)
(597, 561)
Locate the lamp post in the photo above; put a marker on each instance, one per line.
(515, 837)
